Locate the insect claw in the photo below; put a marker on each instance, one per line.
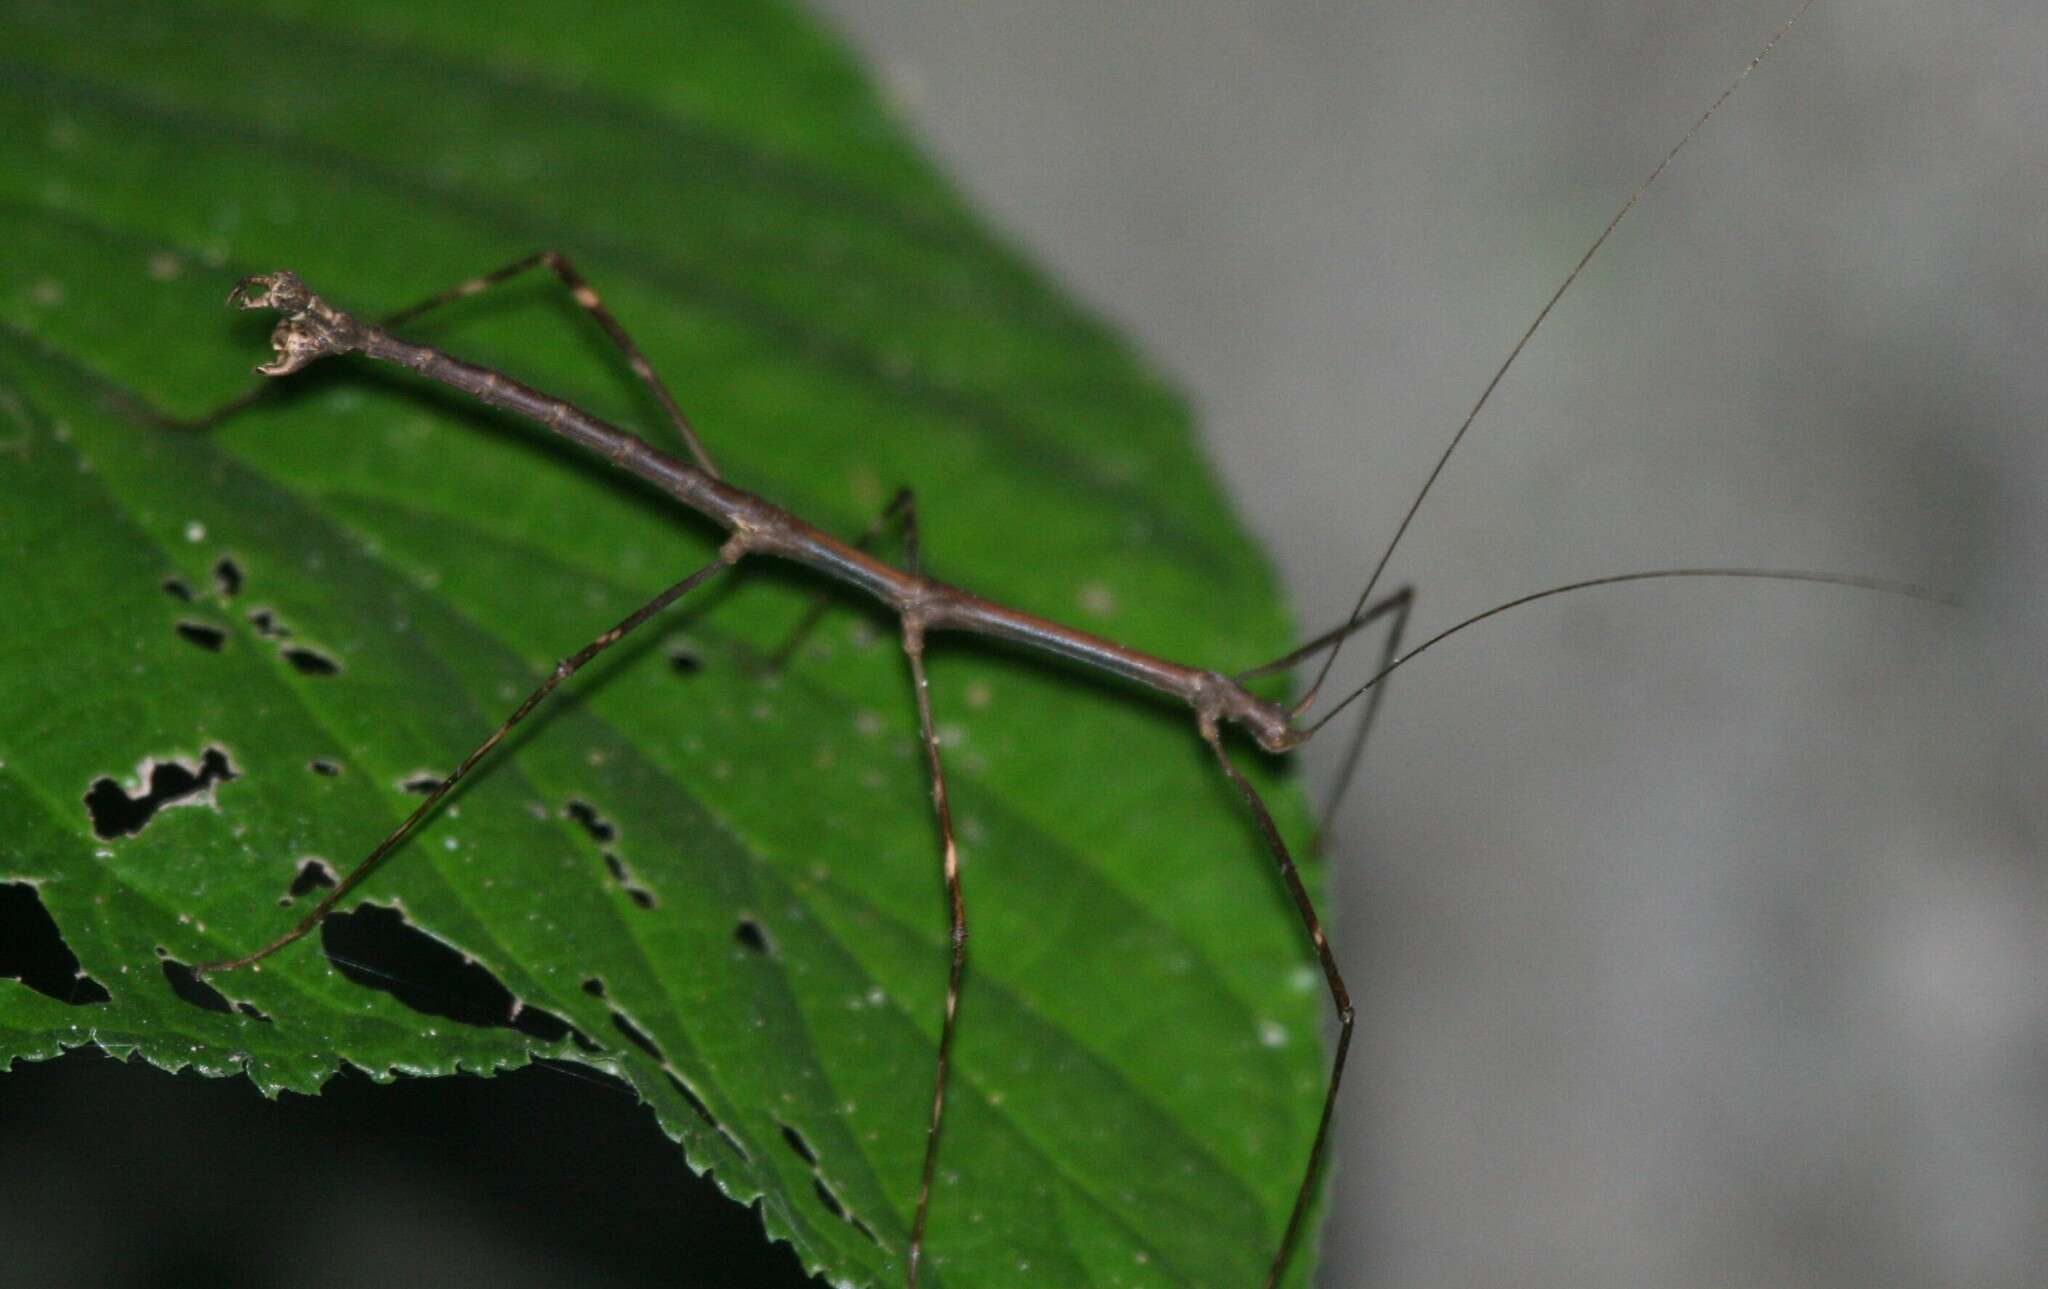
(311, 328)
(282, 291)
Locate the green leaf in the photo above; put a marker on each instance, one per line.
(725, 884)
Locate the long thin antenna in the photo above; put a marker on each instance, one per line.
(1330, 660)
(1907, 589)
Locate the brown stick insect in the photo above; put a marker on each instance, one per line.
(313, 328)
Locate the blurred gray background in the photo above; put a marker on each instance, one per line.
(1699, 927)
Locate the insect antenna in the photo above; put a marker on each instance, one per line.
(1856, 581)
(1308, 697)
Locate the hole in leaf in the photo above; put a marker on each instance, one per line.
(863, 1228)
(704, 1112)
(594, 987)
(189, 987)
(684, 661)
(639, 894)
(538, 1022)
(799, 1145)
(32, 949)
(205, 635)
(636, 1036)
(178, 589)
(310, 662)
(268, 626)
(422, 783)
(827, 1198)
(374, 946)
(227, 575)
(696, 1102)
(116, 814)
(253, 1012)
(314, 875)
(326, 769)
(599, 828)
(750, 934)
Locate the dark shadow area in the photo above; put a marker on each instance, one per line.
(32, 949)
(116, 814)
(125, 1177)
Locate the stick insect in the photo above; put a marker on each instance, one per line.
(312, 328)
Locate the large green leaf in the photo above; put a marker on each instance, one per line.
(1138, 1060)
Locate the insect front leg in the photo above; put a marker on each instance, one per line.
(1339, 995)
(580, 290)
(586, 298)
(1400, 603)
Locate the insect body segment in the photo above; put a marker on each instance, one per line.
(311, 329)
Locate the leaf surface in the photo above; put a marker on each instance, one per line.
(720, 885)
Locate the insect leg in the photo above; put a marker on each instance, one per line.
(564, 669)
(902, 506)
(1340, 996)
(1399, 604)
(949, 853)
(579, 290)
(582, 292)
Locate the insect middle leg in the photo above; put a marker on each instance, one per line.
(564, 669)
(902, 509)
